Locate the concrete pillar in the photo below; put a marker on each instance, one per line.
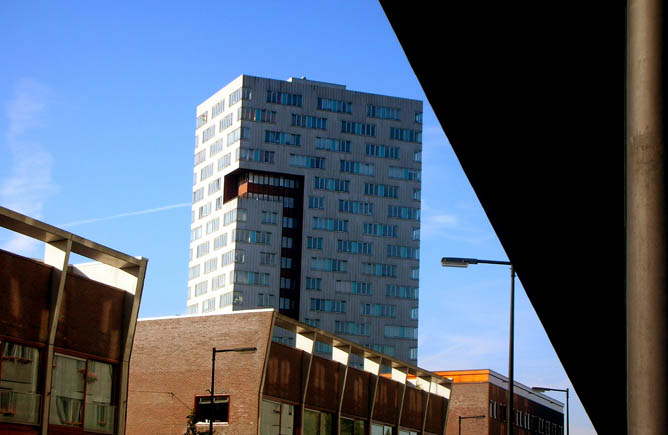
(56, 254)
(646, 222)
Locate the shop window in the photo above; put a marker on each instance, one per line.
(19, 369)
(379, 429)
(276, 418)
(81, 394)
(352, 427)
(220, 409)
(318, 423)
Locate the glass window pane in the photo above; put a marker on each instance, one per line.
(347, 427)
(19, 401)
(270, 419)
(99, 412)
(359, 427)
(311, 422)
(67, 390)
(327, 424)
(287, 419)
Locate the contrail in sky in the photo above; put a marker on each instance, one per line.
(132, 213)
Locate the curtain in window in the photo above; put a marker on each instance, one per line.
(67, 391)
(19, 401)
(99, 386)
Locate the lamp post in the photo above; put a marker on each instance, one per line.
(465, 417)
(544, 389)
(213, 375)
(464, 262)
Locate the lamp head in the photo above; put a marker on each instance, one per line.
(457, 262)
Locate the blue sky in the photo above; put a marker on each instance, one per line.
(97, 117)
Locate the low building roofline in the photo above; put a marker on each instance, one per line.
(39, 230)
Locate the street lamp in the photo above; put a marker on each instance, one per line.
(213, 375)
(465, 417)
(544, 389)
(465, 262)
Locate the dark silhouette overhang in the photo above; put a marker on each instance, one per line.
(531, 97)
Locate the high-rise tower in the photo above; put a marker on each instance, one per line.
(306, 198)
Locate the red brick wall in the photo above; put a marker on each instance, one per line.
(171, 363)
(468, 400)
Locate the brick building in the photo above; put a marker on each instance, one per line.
(275, 388)
(66, 333)
(480, 397)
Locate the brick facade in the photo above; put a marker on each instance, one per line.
(171, 363)
(468, 400)
(483, 393)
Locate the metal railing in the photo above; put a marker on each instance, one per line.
(18, 407)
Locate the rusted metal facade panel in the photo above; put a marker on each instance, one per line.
(356, 396)
(91, 318)
(411, 416)
(323, 388)
(25, 302)
(388, 398)
(435, 414)
(283, 375)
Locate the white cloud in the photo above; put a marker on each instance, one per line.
(444, 219)
(28, 182)
(435, 217)
(451, 226)
(437, 223)
(27, 108)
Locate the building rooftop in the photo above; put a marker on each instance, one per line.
(314, 82)
(492, 377)
(307, 335)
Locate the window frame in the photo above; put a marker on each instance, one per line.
(292, 412)
(208, 396)
(115, 387)
(41, 364)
